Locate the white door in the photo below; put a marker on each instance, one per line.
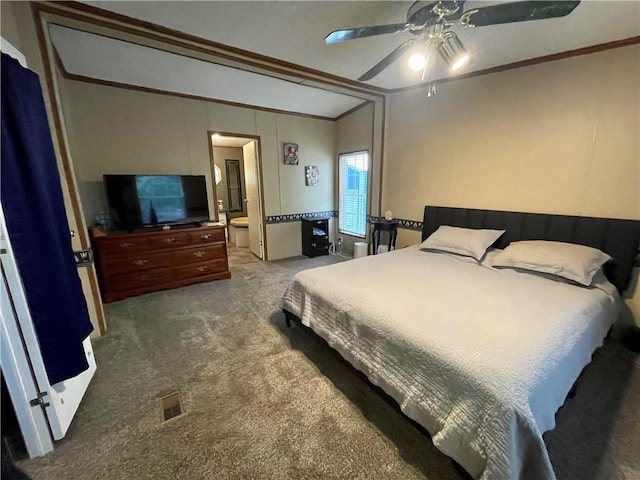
(19, 378)
(59, 402)
(254, 209)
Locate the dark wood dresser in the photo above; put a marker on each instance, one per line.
(134, 263)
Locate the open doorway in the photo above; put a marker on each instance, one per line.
(236, 168)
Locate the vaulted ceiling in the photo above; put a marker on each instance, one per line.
(294, 32)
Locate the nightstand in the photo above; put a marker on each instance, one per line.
(315, 236)
(389, 226)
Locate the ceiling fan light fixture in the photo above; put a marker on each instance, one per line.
(460, 62)
(452, 50)
(417, 62)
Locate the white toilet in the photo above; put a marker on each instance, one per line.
(239, 231)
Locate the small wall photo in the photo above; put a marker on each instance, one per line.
(312, 176)
(291, 154)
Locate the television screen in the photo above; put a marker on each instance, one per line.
(137, 201)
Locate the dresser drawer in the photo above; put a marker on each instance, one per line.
(215, 235)
(199, 269)
(199, 254)
(169, 240)
(132, 263)
(146, 278)
(320, 242)
(122, 245)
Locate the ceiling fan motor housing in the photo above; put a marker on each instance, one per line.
(427, 13)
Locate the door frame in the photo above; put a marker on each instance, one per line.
(60, 139)
(258, 141)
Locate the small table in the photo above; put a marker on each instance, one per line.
(378, 226)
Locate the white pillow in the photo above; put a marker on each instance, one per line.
(575, 262)
(463, 241)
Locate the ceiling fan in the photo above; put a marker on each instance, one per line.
(431, 23)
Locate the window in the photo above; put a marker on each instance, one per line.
(354, 181)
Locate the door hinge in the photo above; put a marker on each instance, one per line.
(39, 400)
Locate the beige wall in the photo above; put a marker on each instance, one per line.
(122, 131)
(316, 142)
(559, 137)
(9, 25)
(291, 234)
(116, 131)
(220, 155)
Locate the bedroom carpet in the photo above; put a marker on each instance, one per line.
(239, 255)
(266, 402)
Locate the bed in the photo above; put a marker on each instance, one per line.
(468, 351)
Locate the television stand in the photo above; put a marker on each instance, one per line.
(135, 263)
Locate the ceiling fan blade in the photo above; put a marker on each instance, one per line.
(520, 12)
(386, 61)
(361, 32)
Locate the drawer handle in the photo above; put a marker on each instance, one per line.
(205, 236)
(140, 262)
(144, 277)
(201, 268)
(169, 240)
(126, 245)
(199, 253)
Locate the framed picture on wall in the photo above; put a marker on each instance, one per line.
(311, 175)
(291, 154)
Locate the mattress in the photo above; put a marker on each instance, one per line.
(482, 358)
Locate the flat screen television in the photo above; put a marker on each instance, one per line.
(137, 201)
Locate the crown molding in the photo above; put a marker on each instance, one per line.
(122, 23)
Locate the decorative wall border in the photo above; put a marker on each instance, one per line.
(296, 217)
(410, 224)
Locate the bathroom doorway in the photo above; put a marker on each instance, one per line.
(237, 173)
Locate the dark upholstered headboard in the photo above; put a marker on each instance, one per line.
(618, 238)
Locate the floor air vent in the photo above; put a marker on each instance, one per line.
(171, 406)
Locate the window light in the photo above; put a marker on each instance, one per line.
(353, 193)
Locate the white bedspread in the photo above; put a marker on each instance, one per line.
(482, 358)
